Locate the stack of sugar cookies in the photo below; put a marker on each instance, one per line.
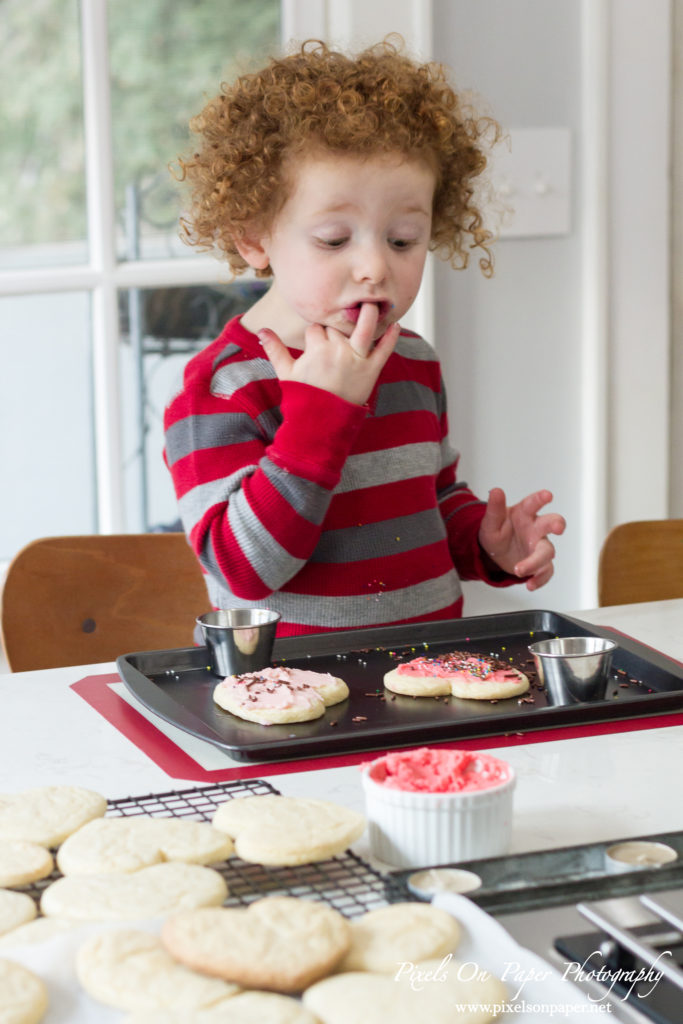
(280, 960)
(31, 823)
(293, 961)
(138, 867)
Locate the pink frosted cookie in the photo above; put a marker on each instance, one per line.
(459, 674)
(279, 695)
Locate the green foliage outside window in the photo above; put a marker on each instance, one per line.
(166, 58)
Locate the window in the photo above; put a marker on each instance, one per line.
(100, 303)
(42, 157)
(160, 328)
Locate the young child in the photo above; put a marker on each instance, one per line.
(309, 443)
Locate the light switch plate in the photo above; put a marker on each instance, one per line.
(531, 181)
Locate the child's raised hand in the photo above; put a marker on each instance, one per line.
(347, 367)
(516, 538)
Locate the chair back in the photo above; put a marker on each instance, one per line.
(83, 600)
(642, 561)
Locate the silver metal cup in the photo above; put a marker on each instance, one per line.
(239, 640)
(574, 669)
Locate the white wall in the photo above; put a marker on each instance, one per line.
(510, 346)
(641, 34)
(558, 369)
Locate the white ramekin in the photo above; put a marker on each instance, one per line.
(409, 829)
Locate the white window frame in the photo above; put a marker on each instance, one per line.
(102, 275)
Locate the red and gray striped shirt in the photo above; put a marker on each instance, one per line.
(336, 515)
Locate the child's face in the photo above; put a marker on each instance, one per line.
(352, 231)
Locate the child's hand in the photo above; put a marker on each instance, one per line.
(348, 367)
(516, 538)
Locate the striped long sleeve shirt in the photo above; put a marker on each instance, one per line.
(336, 515)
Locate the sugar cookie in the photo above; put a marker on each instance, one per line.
(445, 992)
(150, 892)
(131, 970)
(40, 929)
(279, 695)
(458, 673)
(22, 862)
(383, 939)
(48, 814)
(279, 943)
(286, 831)
(23, 995)
(244, 1008)
(128, 844)
(16, 908)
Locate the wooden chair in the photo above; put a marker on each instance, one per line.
(82, 600)
(642, 561)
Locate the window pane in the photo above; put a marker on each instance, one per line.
(161, 328)
(46, 424)
(42, 203)
(167, 58)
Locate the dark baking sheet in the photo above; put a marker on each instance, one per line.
(177, 686)
(549, 878)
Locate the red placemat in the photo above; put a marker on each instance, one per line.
(167, 755)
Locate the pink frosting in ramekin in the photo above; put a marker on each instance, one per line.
(439, 771)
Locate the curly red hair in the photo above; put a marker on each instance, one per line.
(379, 101)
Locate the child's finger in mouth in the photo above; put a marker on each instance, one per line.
(361, 339)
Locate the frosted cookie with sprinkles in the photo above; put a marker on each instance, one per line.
(458, 673)
(276, 696)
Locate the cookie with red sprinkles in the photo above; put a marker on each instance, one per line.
(458, 674)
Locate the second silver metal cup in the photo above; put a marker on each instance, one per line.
(239, 639)
(574, 668)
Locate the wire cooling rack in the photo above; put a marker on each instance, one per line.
(346, 882)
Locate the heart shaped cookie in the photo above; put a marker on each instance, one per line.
(279, 943)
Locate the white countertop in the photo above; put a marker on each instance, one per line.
(569, 790)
